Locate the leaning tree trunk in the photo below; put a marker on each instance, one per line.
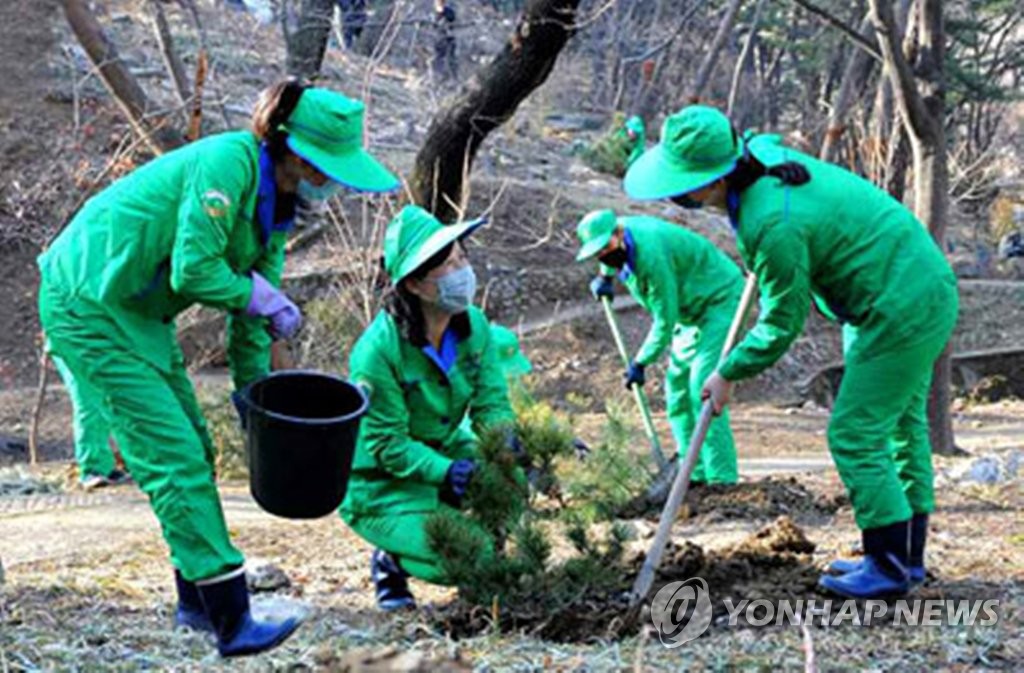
(489, 100)
(118, 79)
(308, 44)
(920, 98)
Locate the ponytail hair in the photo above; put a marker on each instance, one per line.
(273, 108)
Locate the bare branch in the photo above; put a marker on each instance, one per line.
(841, 25)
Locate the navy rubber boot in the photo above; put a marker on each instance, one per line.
(883, 571)
(391, 582)
(918, 537)
(190, 613)
(227, 605)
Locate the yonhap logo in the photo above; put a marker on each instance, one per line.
(681, 611)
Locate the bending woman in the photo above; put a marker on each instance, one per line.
(807, 227)
(203, 224)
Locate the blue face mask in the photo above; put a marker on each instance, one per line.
(456, 289)
(311, 193)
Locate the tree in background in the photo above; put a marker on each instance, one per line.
(919, 90)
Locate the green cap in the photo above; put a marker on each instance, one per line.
(326, 129)
(414, 236)
(698, 146)
(594, 231)
(510, 358)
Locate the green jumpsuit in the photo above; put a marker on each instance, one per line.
(178, 231)
(413, 432)
(691, 290)
(875, 267)
(91, 425)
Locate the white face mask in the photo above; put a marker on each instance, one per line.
(309, 192)
(456, 289)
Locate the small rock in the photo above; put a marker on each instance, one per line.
(983, 470)
(262, 576)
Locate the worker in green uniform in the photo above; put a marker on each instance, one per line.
(691, 289)
(427, 360)
(203, 224)
(809, 228)
(94, 453)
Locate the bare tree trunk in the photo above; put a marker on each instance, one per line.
(117, 78)
(920, 98)
(738, 116)
(707, 66)
(489, 100)
(897, 162)
(307, 45)
(855, 76)
(165, 39)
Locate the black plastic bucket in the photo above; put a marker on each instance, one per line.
(301, 434)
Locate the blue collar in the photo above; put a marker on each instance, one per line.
(445, 359)
(732, 205)
(630, 266)
(267, 199)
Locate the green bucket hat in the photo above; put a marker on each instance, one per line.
(326, 129)
(414, 236)
(510, 357)
(594, 231)
(697, 147)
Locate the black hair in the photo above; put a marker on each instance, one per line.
(405, 308)
(275, 105)
(749, 170)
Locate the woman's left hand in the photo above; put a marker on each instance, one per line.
(718, 390)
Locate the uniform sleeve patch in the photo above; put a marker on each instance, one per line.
(216, 203)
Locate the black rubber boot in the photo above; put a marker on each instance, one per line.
(918, 537)
(226, 600)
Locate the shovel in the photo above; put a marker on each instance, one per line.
(638, 391)
(681, 485)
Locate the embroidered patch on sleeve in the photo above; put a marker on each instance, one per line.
(216, 203)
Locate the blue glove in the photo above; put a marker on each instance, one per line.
(516, 448)
(241, 407)
(635, 374)
(456, 481)
(602, 286)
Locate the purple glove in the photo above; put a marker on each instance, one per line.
(269, 302)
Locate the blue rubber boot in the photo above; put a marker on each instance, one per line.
(842, 566)
(226, 599)
(883, 571)
(915, 561)
(391, 582)
(190, 613)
